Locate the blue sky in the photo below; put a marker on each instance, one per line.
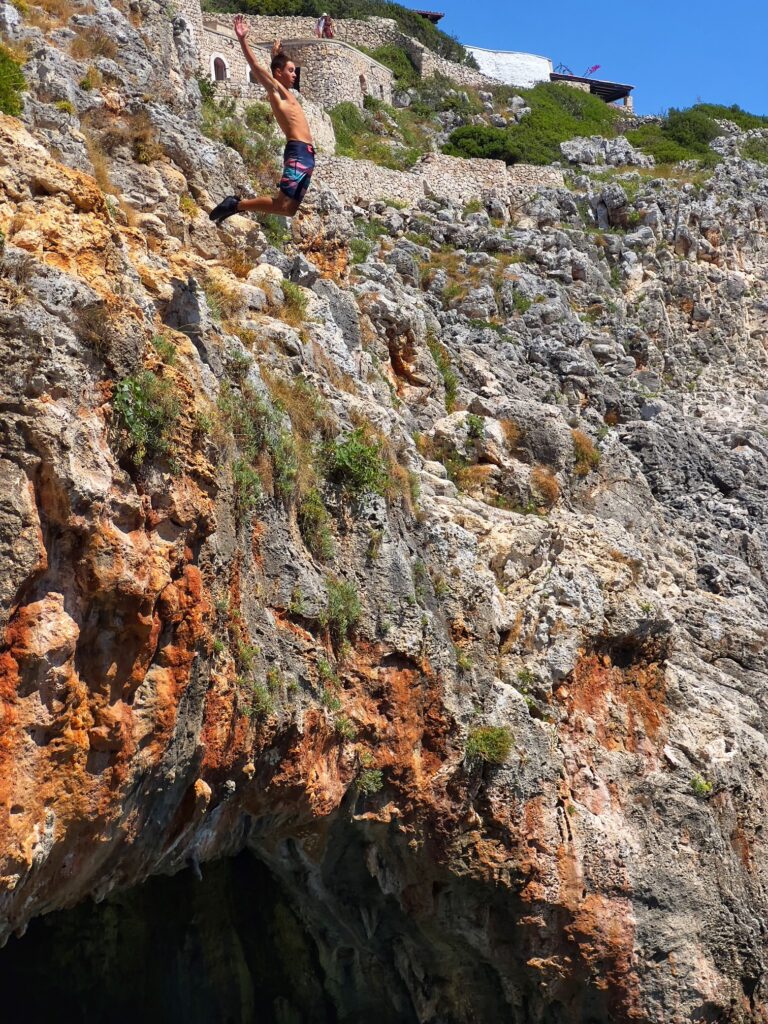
(674, 52)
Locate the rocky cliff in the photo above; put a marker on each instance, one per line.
(421, 556)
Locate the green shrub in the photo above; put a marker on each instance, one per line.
(247, 487)
(369, 781)
(345, 727)
(252, 136)
(475, 427)
(342, 611)
(146, 411)
(489, 744)
(684, 135)
(259, 117)
(701, 787)
(313, 520)
(275, 230)
(12, 83)
(360, 249)
(257, 427)
(165, 348)
(755, 149)
(357, 464)
(438, 93)
(398, 62)
(295, 301)
(742, 118)
(558, 113)
(261, 703)
(356, 138)
(446, 371)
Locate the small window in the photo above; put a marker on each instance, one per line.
(297, 82)
(381, 91)
(252, 78)
(219, 70)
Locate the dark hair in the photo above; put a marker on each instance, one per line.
(279, 62)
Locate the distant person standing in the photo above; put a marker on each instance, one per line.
(329, 29)
(320, 26)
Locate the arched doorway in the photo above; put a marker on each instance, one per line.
(219, 69)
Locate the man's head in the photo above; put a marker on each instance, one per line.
(284, 70)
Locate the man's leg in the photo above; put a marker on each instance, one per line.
(278, 204)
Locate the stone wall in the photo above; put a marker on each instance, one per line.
(333, 72)
(353, 180)
(452, 177)
(193, 15)
(445, 177)
(430, 64)
(524, 181)
(521, 69)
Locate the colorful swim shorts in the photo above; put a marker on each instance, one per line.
(298, 164)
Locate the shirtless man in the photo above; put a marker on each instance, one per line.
(299, 155)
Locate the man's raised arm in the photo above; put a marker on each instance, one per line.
(260, 73)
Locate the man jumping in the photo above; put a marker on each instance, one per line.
(299, 155)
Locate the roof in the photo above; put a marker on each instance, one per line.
(608, 91)
(432, 16)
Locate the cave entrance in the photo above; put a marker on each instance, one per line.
(225, 950)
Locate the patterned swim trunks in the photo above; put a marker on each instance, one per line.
(298, 164)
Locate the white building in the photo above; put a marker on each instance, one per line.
(522, 69)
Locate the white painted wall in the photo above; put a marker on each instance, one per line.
(523, 69)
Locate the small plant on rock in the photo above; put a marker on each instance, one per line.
(146, 411)
(342, 611)
(587, 456)
(701, 787)
(247, 488)
(488, 744)
(357, 464)
(345, 727)
(294, 308)
(314, 525)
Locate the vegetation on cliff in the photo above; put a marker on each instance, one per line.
(12, 83)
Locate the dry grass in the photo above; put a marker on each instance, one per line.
(307, 410)
(224, 300)
(473, 479)
(294, 308)
(513, 435)
(99, 162)
(14, 278)
(634, 565)
(188, 206)
(586, 455)
(545, 486)
(17, 51)
(93, 43)
(235, 261)
(146, 145)
(55, 12)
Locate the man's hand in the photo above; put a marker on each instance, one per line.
(241, 27)
(277, 47)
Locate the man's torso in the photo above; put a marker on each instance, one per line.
(290, 117)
